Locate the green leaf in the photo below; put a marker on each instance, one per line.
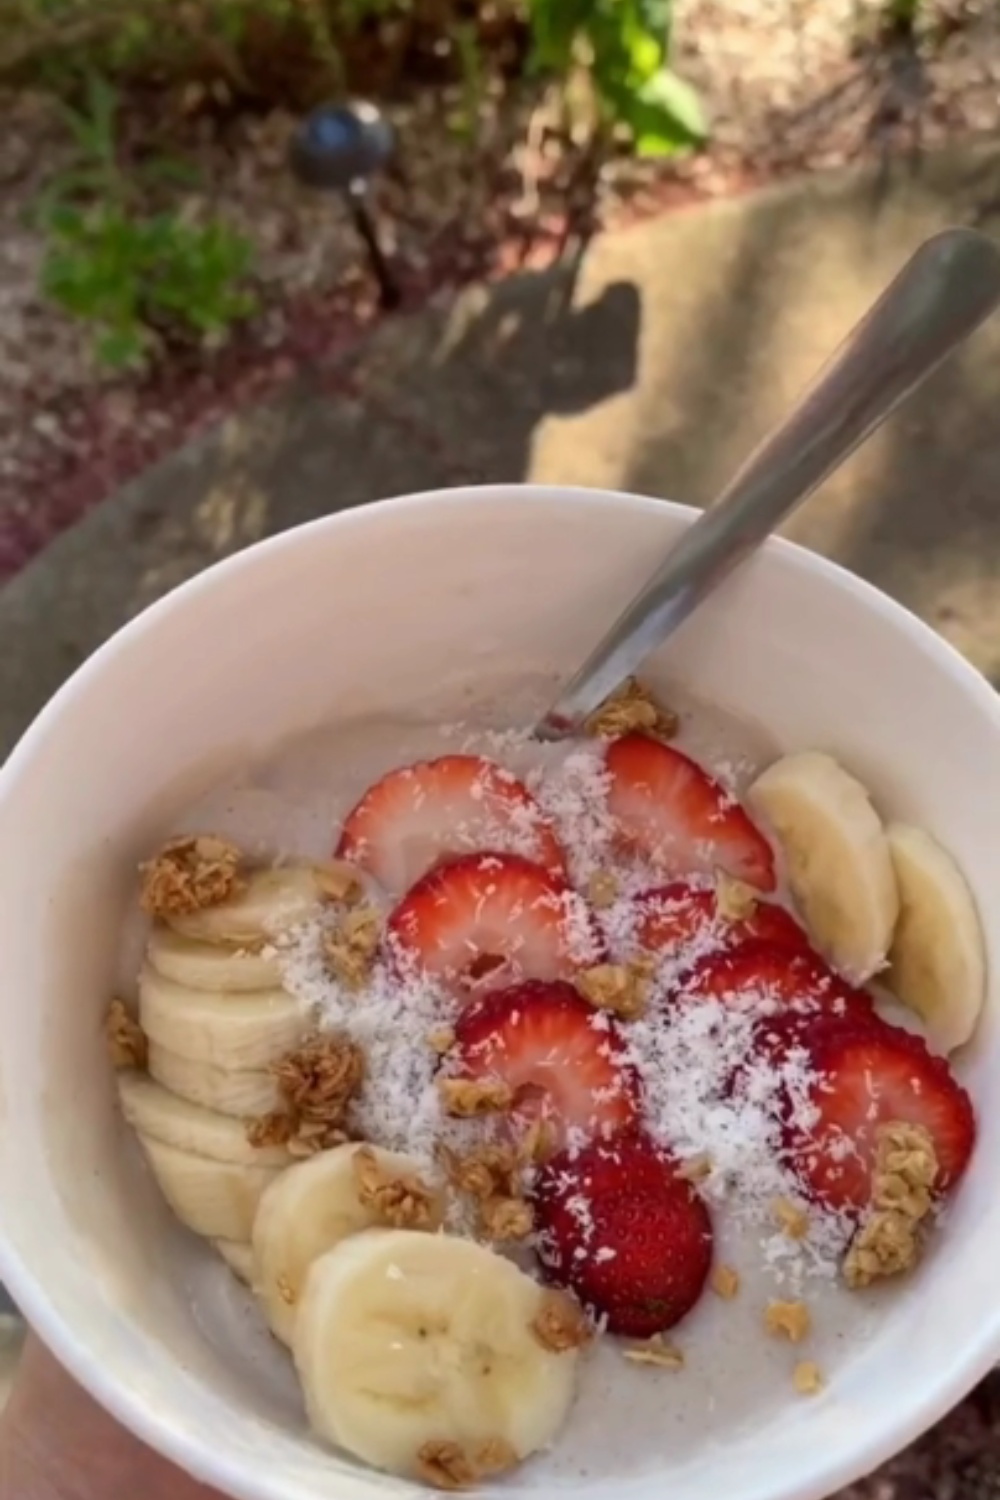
(555, 25)
(120, 348)
(102, 106)
(645, 35)
(127, 273)
(88, 180)
(665, 116)
(626, 54)
(66, 220)
(655, 16)
(231, 20)
(904, 13)
(171, 170)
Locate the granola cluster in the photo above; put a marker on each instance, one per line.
(734, 899)
(317, 1083)
(807, 1378)
(492, 1177)
(350, 946)
(725, 1282)
(539, 1143)
(450, 1466)
(888, 1241)
(632, 709)
(656, 1351)
(190, 873)
(488, 1172)
(126, 1038)
(339, 881)
(466, 1098)
(559, 1324)
(401, 1200)
(441, 1040)
(603, 889)
(788, 1320)
(792, 1220)
(620, 989)
(505, 1219)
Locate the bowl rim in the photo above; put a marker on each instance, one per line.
(158, 1427)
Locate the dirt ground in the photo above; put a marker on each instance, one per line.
(790, 86)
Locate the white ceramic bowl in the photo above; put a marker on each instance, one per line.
(378, 610)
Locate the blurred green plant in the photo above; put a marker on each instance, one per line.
(898, 22)
(611, 56)
(617, 52)
(142, 274)
(137, 277)
(464, 120)
(60, 40)
(901, 17)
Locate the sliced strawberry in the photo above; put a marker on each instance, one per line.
(628, 1159)
(681, 919)
(804, 1026)
(864, 1079)
(626, 1233)
(415, 817)
(564, 1060)
(779, 1063)
(670, 810)
(777, 979)
(493, 918)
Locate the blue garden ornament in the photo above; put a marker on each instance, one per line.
(341, 148)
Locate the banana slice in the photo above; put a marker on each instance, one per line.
(311, 1208)
(242, 1092)
(207, 966)
(937, 959)
(238, 1255)
(406, 1341)
(154, 1112)
(836, 855)
(217, 1199)
(244, 1031)
(269, 903)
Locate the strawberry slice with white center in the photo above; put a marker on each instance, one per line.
(421, 814)
(491, 919)
(672, 812)
(563, 1060)
(684, 921)
(865, 1079)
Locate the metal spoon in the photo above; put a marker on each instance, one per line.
(942, 294)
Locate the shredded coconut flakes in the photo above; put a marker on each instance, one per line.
(711, 1096)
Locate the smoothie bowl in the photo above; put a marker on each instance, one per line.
(390, 1100)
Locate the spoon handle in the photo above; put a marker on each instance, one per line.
(942, 294)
